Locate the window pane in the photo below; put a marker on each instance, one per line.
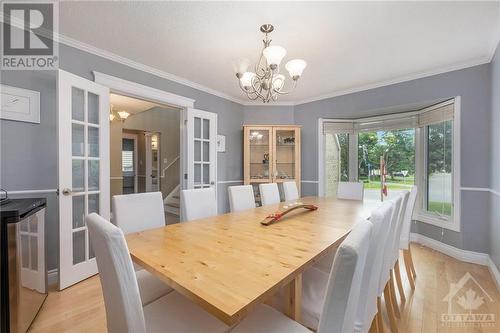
(127, 161)
(77, 104)
(439, 168)
(336, 161)
(93, 113)
(398, 149)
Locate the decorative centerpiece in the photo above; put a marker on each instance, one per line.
(288, 208)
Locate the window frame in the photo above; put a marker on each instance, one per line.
(421, 214)
(453, 223)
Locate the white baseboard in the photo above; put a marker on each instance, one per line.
(52, 277)
(495, 273)
(459, 254)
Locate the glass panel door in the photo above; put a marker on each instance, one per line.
(201, 149)
(285, 154)
(259, 150)
(83, 171)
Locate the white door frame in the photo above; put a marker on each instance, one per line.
(132, 89)
(136, 175)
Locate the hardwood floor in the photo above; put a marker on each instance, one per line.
(81, 308)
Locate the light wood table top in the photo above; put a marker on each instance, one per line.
(230, 263)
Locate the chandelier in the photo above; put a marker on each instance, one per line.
(266, 82)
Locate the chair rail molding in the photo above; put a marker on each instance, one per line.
(50, 190)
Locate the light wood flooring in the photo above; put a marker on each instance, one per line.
(81, 308)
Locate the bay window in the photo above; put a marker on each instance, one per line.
(421, 148)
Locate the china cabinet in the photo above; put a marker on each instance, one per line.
(271, 154)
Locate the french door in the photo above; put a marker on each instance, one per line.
(83, 108)
(201, 141)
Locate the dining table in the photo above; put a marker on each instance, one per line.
(230, 263)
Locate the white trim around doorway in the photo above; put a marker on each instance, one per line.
(137, 90)
(140, 91)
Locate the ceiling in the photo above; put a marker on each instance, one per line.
(348, 46)
(129, 104)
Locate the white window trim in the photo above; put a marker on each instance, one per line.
(454, 223)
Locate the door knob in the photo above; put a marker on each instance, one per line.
(66, 191)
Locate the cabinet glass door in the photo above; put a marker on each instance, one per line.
(285, 155)
(259, 149)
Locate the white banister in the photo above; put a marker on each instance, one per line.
(168, 166)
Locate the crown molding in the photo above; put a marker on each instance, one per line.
(144, 68)
(174, 78)
(450, 68)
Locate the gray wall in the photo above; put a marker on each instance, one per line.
(268, 115)
(29, 151)
(495, 160)
(473, 85)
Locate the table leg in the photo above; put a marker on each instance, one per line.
(293, 298)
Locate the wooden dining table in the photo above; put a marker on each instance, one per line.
(230, 263)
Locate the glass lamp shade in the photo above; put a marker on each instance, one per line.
(123, 114)
(246, 79)
(295, 67)
(278, 82)
(111, 117)
(274, 54)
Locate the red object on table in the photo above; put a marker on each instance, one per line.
(277, 216)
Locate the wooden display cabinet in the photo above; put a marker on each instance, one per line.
(271, 154)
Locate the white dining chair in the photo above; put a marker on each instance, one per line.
(338, 290)
(124, 311)
(139, 212)
(395, 271)
(336, 311)
(241, 197)
(404, 243)
(385, 280)
(367, 309)
(198, 203)
(290, 190)
(269, 194)
(350, 190)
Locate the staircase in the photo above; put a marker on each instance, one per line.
(172, 205)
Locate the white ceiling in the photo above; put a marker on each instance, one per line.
(348, 45)
(129, 104)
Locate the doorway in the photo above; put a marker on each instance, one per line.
(145, 150)
(89, 172)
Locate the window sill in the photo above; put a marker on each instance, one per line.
(446, 224)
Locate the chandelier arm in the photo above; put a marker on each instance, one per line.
(252, 98)
(279, 92)
(258, 91)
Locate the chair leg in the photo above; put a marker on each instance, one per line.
(411, 263)
(392, 290)
(397, 274)
(390, 309)
(373, 326)
(409, 273)
(378, 316)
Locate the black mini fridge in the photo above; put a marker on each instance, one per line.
(23, 276)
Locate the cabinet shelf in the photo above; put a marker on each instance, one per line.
(284, 158)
